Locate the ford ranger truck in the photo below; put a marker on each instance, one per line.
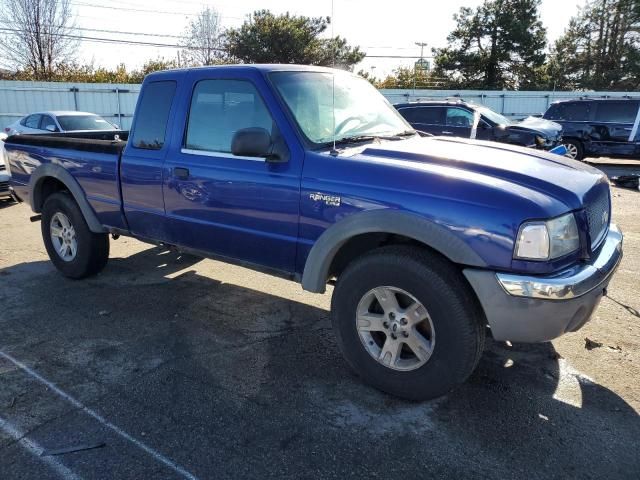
(311, 174)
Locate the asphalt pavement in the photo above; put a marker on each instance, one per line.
(168, 366)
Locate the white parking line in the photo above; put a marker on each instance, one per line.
(156, 455)
(36, 450)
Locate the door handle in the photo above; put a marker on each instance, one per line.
(181, 173)
(445, 132)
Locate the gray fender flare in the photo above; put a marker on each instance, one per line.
(59, 173)
(436, 236)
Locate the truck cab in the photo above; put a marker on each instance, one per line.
(309, 173)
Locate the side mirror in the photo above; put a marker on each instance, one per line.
(253, 142)
(51, 128)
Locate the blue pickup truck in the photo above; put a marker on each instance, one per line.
(311, 174)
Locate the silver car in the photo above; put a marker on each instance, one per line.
(59, 121)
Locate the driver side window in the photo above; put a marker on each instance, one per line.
(219, 108)
(48, 124)
(458, 117)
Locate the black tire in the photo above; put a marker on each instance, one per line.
(457, 318)
(92, 248)
(577, 144)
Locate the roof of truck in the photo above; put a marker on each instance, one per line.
(261, 67)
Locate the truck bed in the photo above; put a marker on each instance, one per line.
(112, 141)
(92, 158)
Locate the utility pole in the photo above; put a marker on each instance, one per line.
(415, 73)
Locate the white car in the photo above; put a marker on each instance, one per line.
(59, 121)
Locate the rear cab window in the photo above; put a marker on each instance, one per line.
(152, 116)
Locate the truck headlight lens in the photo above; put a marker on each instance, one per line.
(563, 235)
(547, 240)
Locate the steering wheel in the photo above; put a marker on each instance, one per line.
(346, 122)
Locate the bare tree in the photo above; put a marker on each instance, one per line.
(38, 35)
(203, 39)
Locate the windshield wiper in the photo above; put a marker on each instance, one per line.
(368, 138)
(398, 136)
(356, 139)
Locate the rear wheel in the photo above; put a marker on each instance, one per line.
(574, 148)
(74, 249)
(407, 322)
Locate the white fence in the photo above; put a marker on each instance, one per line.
(114, 102)
(117, 102)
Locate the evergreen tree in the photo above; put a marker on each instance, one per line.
(498, 45)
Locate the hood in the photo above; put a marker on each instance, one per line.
(540, 125)
(533, 172)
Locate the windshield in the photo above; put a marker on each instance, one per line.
(493, 116)
(70, 123)
(360, 110)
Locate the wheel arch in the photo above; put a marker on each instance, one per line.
(374, 224)
(50, 178)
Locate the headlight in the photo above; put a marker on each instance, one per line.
(547, 240)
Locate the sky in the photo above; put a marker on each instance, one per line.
(379, 28)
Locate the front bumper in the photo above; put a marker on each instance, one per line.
(524, 308)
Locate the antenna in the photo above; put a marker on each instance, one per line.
(333, 83)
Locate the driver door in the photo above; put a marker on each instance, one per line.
(240, 207)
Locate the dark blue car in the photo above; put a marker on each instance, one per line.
(458, 118)
(598, 127)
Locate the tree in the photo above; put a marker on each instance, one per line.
(498, 45)
(203, 39)
(600, 50)
(408, 78)
(269, 38)
(39, 34)
(75, 72)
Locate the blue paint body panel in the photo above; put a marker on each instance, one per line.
(271, 214)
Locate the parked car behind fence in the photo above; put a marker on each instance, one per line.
(59, 121)
(598, 127)
(457, 118)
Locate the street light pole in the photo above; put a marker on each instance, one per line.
(421, 45)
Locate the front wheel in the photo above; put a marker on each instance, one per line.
(575, 149)
(75, 250)
(407, 322)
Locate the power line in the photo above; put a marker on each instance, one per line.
(119, 32)
(15, 31)
(166, 35)
(109, 40)
(143, 10)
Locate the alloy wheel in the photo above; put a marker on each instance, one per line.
(395, 328)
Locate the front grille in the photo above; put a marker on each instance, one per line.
(4, 186)
(598, 211)
(2, 167)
